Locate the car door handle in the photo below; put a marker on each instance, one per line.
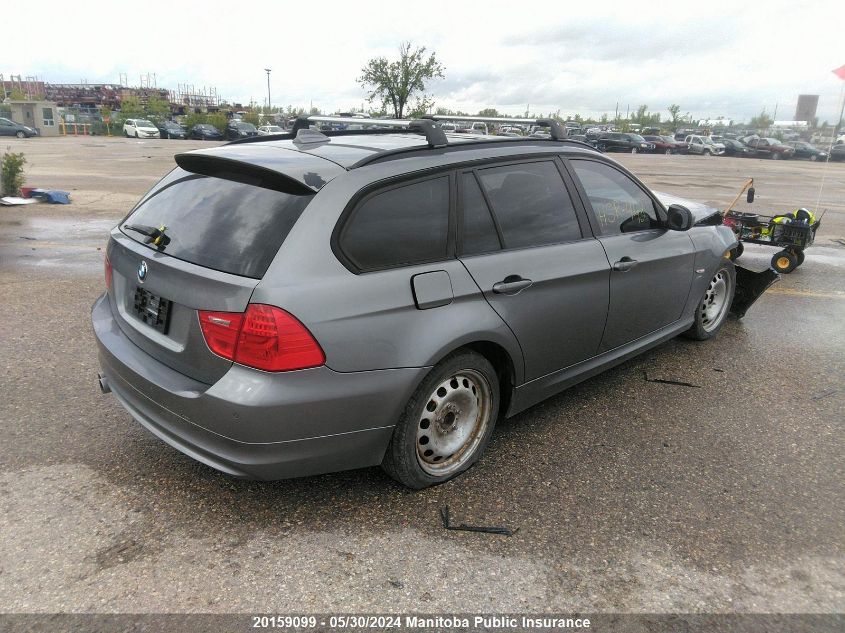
(625, 264)
(511, 285)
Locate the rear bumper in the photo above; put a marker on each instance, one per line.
(254, 424)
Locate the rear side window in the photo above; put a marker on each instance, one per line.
(228, 226)
(404, 225)
(478, 233)
(619, 205)
(531, 204)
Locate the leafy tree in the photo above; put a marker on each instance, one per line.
(218, 120)
(675, 113)
(394, 82)
(157, 108)
(131, 107)
(762, 121)
(11, 173)
(195, 118)
(490, 112)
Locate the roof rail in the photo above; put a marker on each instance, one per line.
(430, 129)
(557, 131)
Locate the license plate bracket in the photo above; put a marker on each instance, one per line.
(152, 309)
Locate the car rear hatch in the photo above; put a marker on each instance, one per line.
(201, 239)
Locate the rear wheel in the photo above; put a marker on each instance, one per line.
(715, 305)
(775, 156)
(667, 152)
(446, 424)
(633, 150)
(799, 256)
(813, 157)
(784, 262)
(20, 134)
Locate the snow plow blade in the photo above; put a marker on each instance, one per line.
(749, 286)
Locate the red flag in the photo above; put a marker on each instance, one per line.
(839, 72)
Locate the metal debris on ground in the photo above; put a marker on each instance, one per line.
(678, 383)
(824, 394)
(444, 514)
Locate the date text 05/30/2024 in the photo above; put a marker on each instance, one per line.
(420, 622)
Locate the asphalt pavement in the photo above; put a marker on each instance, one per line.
(628, 495)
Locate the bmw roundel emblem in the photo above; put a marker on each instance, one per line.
(142, 271)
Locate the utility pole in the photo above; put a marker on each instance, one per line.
(269, 104)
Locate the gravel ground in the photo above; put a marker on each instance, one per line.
(628, 495)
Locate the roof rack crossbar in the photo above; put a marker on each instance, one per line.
(558, 132)
(430, 129)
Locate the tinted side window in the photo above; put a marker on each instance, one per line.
(404, 225)
(531, 204)
(619, 205)
(478, 233)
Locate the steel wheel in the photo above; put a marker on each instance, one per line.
(21, 134)
(453, 422)
(714, 307)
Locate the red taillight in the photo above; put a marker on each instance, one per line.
(108, 271)
(264, 337)
(220, 330)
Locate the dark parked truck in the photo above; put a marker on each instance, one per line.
(286, 307)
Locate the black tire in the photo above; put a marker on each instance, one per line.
(20, 134)
(708, 321)
(136, 134)
(736, 251)
(126, 134)
(814, 157)
(634, 150)
(775, 156)
(799, 255)
(411, 465)
(784, 262)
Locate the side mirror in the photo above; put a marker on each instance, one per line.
(679, 218)
(750, 197)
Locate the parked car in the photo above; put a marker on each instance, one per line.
(236, 129)
(309, 310)
(623, 142)
(583, 139)
(140, 128)
(10, 128)
(770, 148)
(205, 132)
(837, 152)
(170, 129)
(802, 149)
(703, 145)
(264, 130)
(737, 148)
(661, 144)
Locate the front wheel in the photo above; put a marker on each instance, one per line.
(784, 262)
(446, 424)
(799, 256)
(713, 309)
(668, 151)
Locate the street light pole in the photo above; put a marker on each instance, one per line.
(269, 104)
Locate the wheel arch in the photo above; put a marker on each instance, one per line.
(502, 361)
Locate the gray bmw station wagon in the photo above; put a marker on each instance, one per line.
(300, 304)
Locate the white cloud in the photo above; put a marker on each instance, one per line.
(716, 58)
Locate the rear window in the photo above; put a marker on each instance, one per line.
(220, 224)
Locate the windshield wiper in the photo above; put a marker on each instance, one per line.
(154, 236)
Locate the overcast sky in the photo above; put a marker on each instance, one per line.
(713, 58)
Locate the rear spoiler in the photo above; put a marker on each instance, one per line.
(247, 173)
